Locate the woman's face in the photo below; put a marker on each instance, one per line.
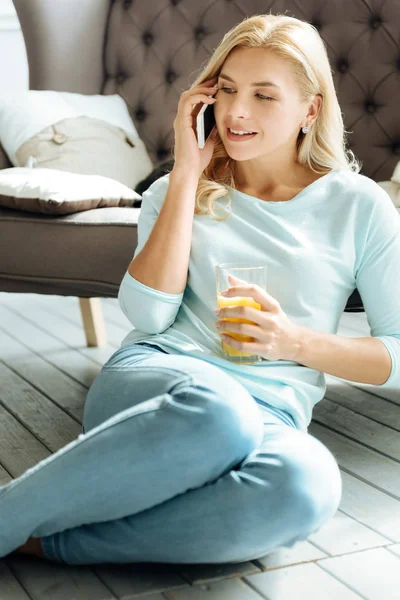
(274, 113)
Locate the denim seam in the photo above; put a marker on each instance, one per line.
(68, 447)
(187, 378)
(145, 368)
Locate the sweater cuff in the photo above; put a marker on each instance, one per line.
(141, 287)
(392, 344)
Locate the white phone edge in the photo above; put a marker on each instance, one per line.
(200, 126)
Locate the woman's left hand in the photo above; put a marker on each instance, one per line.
(275, 336)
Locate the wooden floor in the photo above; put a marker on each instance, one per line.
(45, 372)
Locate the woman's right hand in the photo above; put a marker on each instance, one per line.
(187, 154)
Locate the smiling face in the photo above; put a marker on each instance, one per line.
(275, 112)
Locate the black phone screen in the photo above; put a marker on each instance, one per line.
(209, 121)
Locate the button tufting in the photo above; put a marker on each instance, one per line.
(199, 33)
(127, 4)
(59, 138)
(147, 38)
(371, 107)
(375, 22)
(175, 2)
(170, 77)
(316, 24)
(396, 148)
(140, 114)
(343, 66)
(162, 153)
(121, 78)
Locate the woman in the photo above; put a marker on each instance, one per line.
(185, 456)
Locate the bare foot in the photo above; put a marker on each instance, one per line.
(32, 546)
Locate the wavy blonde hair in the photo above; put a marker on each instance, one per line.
(298, 42)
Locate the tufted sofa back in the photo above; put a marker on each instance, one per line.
(149, 51)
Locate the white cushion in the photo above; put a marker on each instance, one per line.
(392, 187)
(60, 192)
(24, 114)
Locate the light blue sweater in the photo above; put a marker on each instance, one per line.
(339, 233)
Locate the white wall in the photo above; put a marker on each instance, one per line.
(13, 62)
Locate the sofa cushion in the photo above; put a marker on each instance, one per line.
(59, 192)
(24, 113)
(89, 147)
(87, 134)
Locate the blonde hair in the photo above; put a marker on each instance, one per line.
(324, 147)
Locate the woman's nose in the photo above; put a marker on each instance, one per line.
(238, 109)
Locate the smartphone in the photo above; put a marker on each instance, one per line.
(205, 122)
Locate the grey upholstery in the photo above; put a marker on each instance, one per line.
(149, 52)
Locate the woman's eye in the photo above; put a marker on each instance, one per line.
(229, 90)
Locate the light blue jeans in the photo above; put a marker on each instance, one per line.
(178, 463)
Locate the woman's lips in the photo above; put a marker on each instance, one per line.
(239, 138)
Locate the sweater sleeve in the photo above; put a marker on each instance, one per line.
(377, 278)
(149, 310)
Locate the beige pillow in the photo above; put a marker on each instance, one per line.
(392, 187)
(90, 147)
(58, 192)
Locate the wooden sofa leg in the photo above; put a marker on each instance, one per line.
(93, 322)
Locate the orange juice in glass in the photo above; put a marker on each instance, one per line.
(256, 274)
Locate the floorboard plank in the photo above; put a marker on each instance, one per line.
(131, 581)
(301, 581)
(19, 449)
(368, 505)
(360, 572)
(5, 477)
(364, 463)
(302, 552)
(66, 309)
(395, 548)
(230, 589)
(10, 588)
(380, 410)
(52, 349)
(205, 573)
(43, 580)
(52, 426)
(379, 437)
(343, 534)
(71, 335)
(65, 392)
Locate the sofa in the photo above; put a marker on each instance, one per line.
(149, 52)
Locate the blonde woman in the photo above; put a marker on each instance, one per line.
(186, 457)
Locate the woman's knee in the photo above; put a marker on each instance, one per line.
(320, 483)
(284, 497)
(312, 483)
(299, 489)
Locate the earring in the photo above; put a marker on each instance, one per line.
(305, 129)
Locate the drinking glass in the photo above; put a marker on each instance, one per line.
(253, 274)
